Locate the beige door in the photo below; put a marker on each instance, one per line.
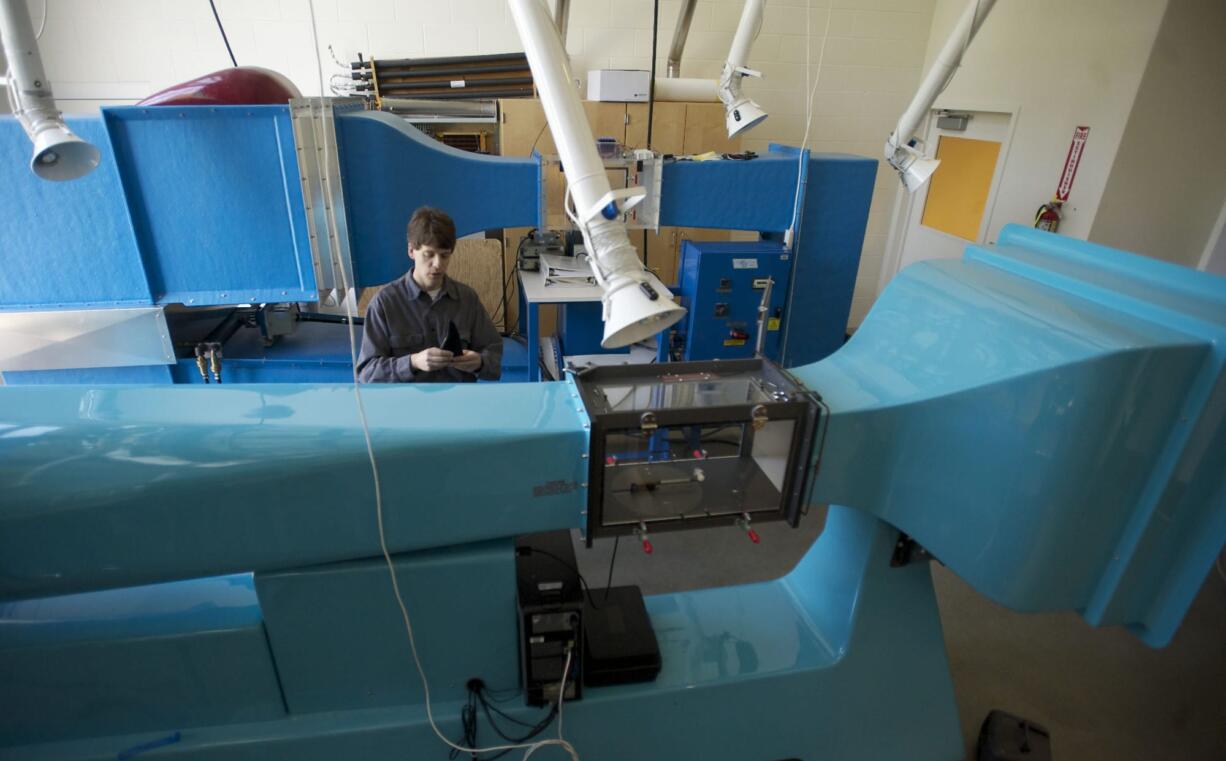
(954, 208)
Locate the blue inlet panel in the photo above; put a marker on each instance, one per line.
(65, 243)
(215, 201)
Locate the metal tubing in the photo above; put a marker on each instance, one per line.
(636, 304)
(427, 107)
(58, 153)
(585, 174)
(561, 17)
(746, 31)
(938, 76)
(684, 19)
(466, 93)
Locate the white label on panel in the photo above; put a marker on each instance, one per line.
(744, 264)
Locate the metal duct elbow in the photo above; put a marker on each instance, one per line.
(636, 303)
(741, 113)
(58, 153)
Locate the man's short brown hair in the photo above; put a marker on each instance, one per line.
(431, 227)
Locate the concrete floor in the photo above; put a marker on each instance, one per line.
(1100, 692)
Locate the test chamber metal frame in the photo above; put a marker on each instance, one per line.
(792, 402)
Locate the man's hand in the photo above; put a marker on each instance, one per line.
(469, 361)
(431, 359)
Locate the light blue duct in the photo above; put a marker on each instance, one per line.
(1045, 417)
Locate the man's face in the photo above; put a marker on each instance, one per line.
(429, 265)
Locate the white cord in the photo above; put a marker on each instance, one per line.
(42, 24)
(810, 97)
(374, 471)
(561, 695)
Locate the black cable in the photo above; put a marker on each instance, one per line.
(481, 696)
(538, 137)
(609, 583)
(502, 303)
(468, 721)
(501, 309)
(222, 29)
(651, 95)
(333, 319)
(651, 87)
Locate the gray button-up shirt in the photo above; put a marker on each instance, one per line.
(402, 320)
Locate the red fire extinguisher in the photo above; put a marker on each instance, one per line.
(1048, 216)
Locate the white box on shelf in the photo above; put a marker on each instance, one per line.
(618, 85)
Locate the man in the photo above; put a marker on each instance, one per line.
(410, 319)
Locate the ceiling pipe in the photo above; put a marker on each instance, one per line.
(684, 19)
(428, 107)
(58, 153)
(912, 166)
(561, 17)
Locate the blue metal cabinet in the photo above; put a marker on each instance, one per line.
(722, 285)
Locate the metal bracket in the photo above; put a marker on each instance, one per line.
(648, 421)
(322, 193)
(758, 414)
(64, 339)
(907, 551)
(643, 171)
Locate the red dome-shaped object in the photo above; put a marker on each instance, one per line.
(237, 86)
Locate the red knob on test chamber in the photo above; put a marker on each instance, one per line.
(753, 536)
(647, 546)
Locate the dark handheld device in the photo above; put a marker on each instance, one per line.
(453, 343)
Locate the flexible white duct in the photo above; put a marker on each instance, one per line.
(636, 304)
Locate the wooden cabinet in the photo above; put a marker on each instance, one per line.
(677, 128)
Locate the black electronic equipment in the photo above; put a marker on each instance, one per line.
(536, 243)
(619, 644)
(550, 612)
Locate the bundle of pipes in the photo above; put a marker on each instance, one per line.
(504, 75)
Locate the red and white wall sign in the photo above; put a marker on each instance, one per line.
(1071, 162)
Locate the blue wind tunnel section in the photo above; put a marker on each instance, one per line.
(66, 243)
(190, 205)
(389, 168)
(215, 202)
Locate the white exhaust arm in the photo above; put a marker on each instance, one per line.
(741, 112)
(58, 153)
(636, 303)
(912, 166)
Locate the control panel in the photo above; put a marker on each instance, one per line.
(722, 285)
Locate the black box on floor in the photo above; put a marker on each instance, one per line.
(550, 613)
(621, 646)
